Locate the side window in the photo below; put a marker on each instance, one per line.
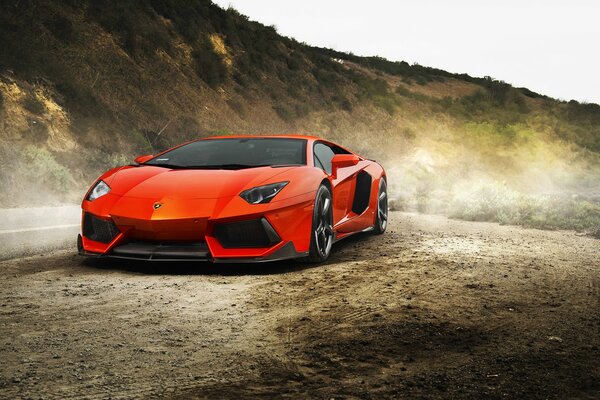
(323, 155)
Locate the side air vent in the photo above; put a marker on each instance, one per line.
(362, 193)
(99, 230)
(246, 234)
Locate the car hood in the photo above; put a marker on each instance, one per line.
(152, 182)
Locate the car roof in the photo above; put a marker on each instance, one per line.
(290, 136)
(309, 138)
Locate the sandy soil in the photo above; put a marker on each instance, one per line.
(434, 308)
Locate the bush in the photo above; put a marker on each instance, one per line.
(404, 92)
(155, 38)
(79, 99)
(497, 203)
(61, 27)
(285, 112)
(301, 110)
(420, 79)
(498, 91)
(237, 106)
(43, 168)
(117, 159)
(114, 17)
(342, 101)
(386, 102)
(294, 61)
(134, 26)
(209, 66)
(324, 77)
(34, 105)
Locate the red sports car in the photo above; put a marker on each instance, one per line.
(235, 199)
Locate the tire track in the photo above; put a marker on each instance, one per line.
(361, 312)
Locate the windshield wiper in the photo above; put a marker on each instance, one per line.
(231, 166)
(171, 166)
(220, 166)
(215, 166)
(286, 165)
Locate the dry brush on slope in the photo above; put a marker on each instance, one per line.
(87, 85)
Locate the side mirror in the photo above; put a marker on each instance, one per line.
(342, 161)
(143, 159)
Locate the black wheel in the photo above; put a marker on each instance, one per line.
(382, 208)
(322, 227)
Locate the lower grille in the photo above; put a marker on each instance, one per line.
(162, 251)
(246, 234)
(99, 230)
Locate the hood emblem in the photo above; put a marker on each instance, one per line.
(156, 206)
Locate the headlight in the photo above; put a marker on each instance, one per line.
(99, 190)
(262, 194)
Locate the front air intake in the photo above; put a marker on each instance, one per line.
(246, 234)
(99, 230)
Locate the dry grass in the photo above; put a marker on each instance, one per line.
(105, 87)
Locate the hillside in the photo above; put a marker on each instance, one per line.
(86, 85)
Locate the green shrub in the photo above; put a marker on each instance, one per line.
(117, 159)
(531, 94)
(386, 102)
(420, 80)
(402, 91)
(42, 167)
(498, 90)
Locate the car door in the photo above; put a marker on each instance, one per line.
(343, 183)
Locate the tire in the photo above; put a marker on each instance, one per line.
(381, 219)
(321, 234)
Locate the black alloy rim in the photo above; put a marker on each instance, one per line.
(324, 228)
(382, 205)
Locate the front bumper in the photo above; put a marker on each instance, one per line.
(273, 231)
(174, 252)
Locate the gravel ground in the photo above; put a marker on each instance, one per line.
(435, 308)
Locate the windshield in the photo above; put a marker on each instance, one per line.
(234, 153)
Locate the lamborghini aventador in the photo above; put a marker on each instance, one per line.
(235, 199)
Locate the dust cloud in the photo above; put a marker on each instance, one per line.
(537, 183)
(38, 230)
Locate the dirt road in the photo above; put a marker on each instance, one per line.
(434, 308)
